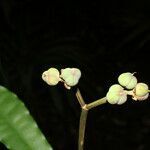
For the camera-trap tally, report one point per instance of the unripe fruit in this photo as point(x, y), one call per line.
point(51, 76)
point(116, 95)
point(70, 76)
point(141, 98)
point(141, 89)
point(115, 87)
point(128, 80)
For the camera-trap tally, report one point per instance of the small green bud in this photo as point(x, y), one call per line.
point(128, 80)
point(70, 76)
point(51, 76)
point(141, 89)
point(116, 95)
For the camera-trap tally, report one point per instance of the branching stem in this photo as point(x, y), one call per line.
point(83, 117)
point(80, 98)
point(96, 103)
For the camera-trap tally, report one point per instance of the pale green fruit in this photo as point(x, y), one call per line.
point(112, 97)
point(70, 76)
point(51, 76)
point(116, 95)
point(71, 81)
point(115, 87)
point(65, 73)
point(141, 89)
point(128, 80)
point(122, 99)
point(141, 98)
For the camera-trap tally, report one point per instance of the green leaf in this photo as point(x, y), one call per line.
point(18, 130)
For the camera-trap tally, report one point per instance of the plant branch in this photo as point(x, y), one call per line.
point(80, 98)
point(96, 103)
point(83, 117)
point(82, 127)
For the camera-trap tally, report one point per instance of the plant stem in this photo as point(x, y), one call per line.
point(82, 126)
point(96, 103)
point(80, 98)
point(83, 117)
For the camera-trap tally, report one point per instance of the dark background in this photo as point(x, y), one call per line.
point(103, 40)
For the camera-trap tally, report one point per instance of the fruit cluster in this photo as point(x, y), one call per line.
point(128, 85)
point(69, 76)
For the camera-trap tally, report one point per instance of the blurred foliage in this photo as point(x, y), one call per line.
point(103, 40)
point(18, 130)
